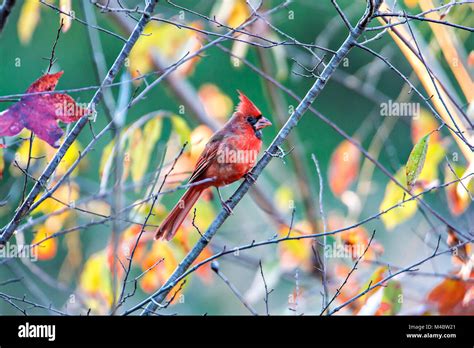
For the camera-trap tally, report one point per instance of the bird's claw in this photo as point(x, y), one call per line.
point(250, 178)
point(226, 206)
point(281, 154)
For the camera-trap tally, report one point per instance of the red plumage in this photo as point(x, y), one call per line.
point(230, 153)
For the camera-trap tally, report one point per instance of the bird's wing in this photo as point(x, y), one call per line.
point(207, 157)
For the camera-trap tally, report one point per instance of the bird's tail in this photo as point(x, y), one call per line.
point(176, 217)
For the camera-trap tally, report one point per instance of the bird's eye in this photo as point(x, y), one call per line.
point(251, 120)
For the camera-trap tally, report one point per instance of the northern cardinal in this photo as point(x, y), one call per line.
point(229, 155)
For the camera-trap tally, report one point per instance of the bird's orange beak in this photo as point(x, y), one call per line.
point(262, 123)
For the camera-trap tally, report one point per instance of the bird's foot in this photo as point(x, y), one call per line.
point(250, 178)
point(227, 207)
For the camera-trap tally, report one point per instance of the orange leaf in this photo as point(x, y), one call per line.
point(157, 271)
point(47, 249)
point(448, 295)
point(356, 240)
point(458, 198)
point(199, 137)
point(470, 59)
point(422, 125)
point(216, 103)
point(343, 167)
point(461, 253)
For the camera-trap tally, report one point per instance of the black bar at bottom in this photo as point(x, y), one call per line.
point(214, 330)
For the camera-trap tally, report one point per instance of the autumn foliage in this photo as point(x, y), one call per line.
point(391, 190)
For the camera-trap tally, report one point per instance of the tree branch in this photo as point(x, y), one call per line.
point(5, 11)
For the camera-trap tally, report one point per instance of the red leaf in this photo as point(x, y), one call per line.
point(45, 83)
point(40, 113)
point(343, 167)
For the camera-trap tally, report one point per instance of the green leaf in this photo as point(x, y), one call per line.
point(182, 128)
point(391, 299)
point(416, 161)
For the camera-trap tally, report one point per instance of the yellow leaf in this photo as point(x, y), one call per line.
point(393, 196)
point(181, 127)
point(434, 156)
point(139, 60)
point(98, 207)
point(136, 149)
point(231, 12)
point(43, 152)
point(168, 43)
point(71, 155)
point(379, 274)
point(284, 198)
point(295, 253)
point(152, 130)
point(95, 279)
point(239, 14)
point(38, 150)
point(67, 193)
point(29, 18)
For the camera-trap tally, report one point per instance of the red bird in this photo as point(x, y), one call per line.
point(229, 155)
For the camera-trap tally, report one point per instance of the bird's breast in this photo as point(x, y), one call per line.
point(235, 158)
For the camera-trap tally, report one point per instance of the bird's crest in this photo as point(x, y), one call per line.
point(246, 107)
